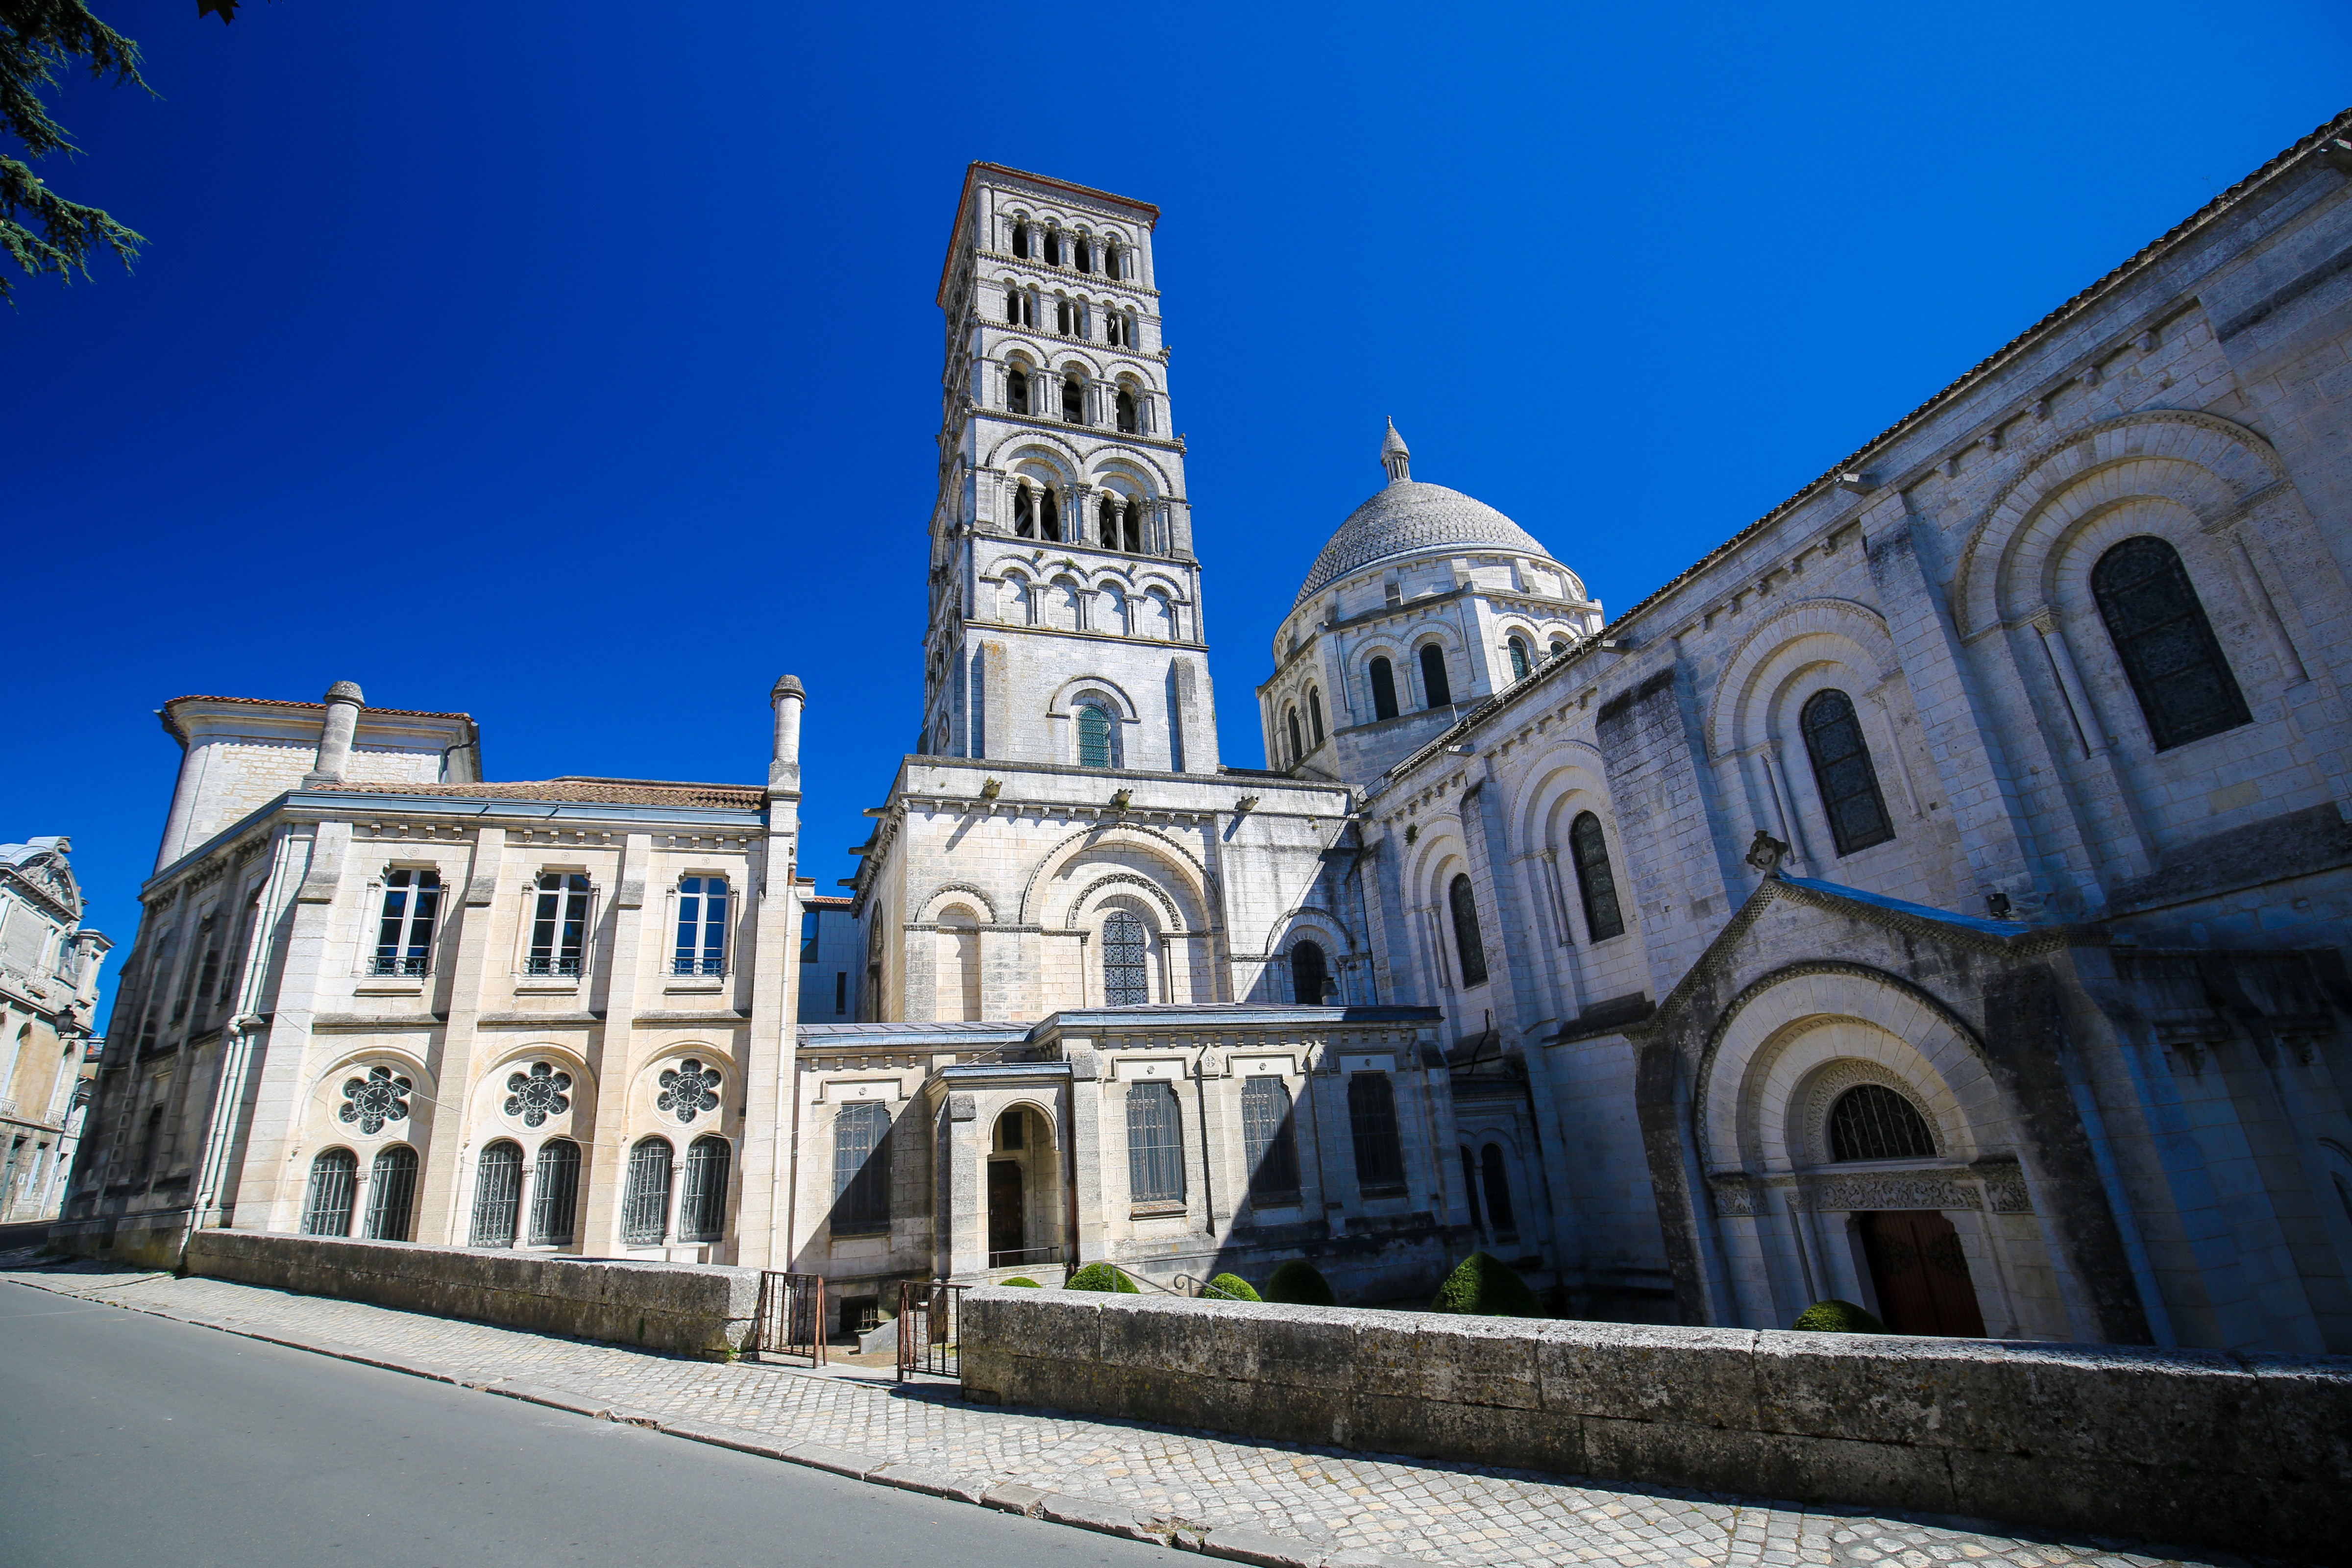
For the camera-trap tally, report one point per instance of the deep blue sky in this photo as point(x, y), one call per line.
point(576, 365)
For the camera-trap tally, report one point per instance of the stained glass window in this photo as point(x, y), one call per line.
point(1125, 981)
point(1841, 771)
point(2167, 646)
point(1596, 884)
point(1093, 736)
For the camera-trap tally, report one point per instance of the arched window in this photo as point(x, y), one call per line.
point(645, 1203)
point(1872, 1122)
point(1268, 1139)
point(1049, 515)
point(1082, 253)
point(1125, 983)
point(1841, 771)
point(1521, 662)
point(1065, 317)
point(1559, 646)
point(1131, 518)
point(701, 926)
point(554, 1193)
point(403, 939)
point(1155, 1144)
point(498, 1193)
point(1093, 736)
point(1021, 240)
point(333, 1176)
point(2184, 685)
point(1434, 685)
point(1016, 391)
point(702, 1209)
point(1498, 1190)
point(1074, 398)
point(1372, 1119)
point(1052, 248)
point(1314, 713)
point(1296, 751)
point(1383, 677)
point(861, 1168)
point(1012, 306)
point(1113, 260)
point(1470, 1187)
point(1309, 974)
point(1468, 944)
point(392, 1192)
point(1596, 884)
point(1126, 425)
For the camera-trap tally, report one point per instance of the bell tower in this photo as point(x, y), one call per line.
point(1065, 619)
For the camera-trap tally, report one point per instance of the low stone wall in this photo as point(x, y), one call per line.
point(692, 1309)
point(2249, 1452)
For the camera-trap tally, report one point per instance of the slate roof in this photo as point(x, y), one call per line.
point(1408, 515)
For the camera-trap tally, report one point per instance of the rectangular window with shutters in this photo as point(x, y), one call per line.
point(1273, 1147)
point(1155, 1144)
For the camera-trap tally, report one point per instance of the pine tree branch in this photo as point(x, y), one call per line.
point(68, 229)
point(38, 39)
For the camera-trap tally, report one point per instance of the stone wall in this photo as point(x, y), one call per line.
point(691, 1309)
point(2249, 1452)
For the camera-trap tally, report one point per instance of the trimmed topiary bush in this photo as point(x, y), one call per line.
point(1484, 1284)
point(1102, 1276)
point(1835, 1317)
point(1300, 1283)
point(1232, 1288)
point(1022, 1279)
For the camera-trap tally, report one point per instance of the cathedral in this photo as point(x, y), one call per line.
point(1934, 897)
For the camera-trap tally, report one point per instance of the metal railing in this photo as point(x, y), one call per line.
point(1020, 1257)
point(929, 1317)
point(540, 964)
point(791, 1316)
point(406, 965)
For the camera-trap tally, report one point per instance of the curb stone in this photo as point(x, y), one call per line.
point(1013, 1497)
point(929, 1482)
point(1110, 1518)
point(1256, 1547)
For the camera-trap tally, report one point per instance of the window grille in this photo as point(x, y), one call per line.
point(559, 926)
point(1872, 1122)
point(1434, 686)
point(1125, 981)
point(1314, 713)
point(2185, 688)
point(645, 1209)
point(1385, 702)
point(1309, 974)
point(498, 1193)
point(701, 926)
point(1596, 884)
point(554, 1193)
point(1843, 773)
point(1469, 945)
point(1267, 1136)
point(702, 1213)
point(1093, 736)
point(861, 1168)
point(391, 1193)
point(333, 1176)
point(1498, 1190)
point(1155, 1144)
point(1519, 661)
point(1372, 1119)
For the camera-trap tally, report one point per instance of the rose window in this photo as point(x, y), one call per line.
point(537, 1094)
point(688, 1089)
point(374, 1099)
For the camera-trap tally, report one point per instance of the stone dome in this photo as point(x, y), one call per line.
point(1410, 516)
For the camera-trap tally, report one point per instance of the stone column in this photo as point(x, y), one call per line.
point(343, 703)
point(784, 767)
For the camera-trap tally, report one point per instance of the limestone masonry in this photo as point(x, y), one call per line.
point(1934, 898)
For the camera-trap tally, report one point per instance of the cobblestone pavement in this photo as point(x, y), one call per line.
point(1328, 1504)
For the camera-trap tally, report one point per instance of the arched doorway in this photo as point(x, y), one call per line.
point(1023, 1190)
point(1920, 1274)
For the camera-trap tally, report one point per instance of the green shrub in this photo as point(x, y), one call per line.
point(1102, 1276)
point(1232, 1288)
point(1487, 1285)
point(1300, 1283)
point(1835, 1317)
point(1022, 1279)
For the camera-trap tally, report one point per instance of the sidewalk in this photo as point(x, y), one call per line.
point(1272, 1504)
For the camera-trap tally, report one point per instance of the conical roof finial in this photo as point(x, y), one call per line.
point(1395, 457)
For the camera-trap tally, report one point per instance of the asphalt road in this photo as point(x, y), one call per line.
point(126, 1439)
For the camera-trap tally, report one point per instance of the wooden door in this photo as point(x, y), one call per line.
point(1004, 1228)
point(1921, 1274)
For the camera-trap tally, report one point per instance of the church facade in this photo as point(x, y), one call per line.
point(1934, 897)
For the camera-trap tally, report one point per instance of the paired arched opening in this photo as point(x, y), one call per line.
point(702, 1217)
